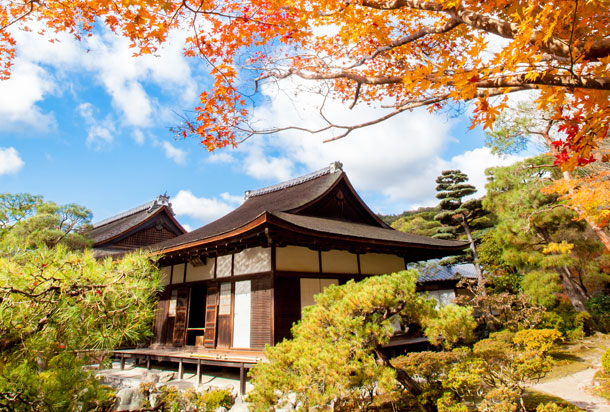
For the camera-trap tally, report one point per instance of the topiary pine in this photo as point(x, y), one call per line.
point(457, 216)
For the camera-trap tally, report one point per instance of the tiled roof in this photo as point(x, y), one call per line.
point(455, 272)
point(365, 231)
point(124, 221)
point(289, 197)
point(285, 200)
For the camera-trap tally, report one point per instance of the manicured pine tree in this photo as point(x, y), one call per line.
point(457, 215)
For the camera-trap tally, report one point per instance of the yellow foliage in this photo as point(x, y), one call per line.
point(563, 248)
point(589, 197)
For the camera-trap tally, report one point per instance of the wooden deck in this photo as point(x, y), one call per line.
point(196, 356)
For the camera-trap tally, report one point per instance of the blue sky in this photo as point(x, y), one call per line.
point(85, 122)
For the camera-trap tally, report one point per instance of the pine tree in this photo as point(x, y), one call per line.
point(458, 216)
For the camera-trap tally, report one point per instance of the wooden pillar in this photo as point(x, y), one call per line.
point(198, 371)
point(147, 361)
point(122, 361)
point(242, 380)
point(180, 369)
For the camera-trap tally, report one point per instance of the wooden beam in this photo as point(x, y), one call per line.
point(198, 371)
point(242, 379)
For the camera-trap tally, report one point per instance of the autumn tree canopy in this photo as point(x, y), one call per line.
point(395, 54)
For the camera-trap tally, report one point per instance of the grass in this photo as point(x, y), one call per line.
point(572, 357)
point(534, 398)
point(603, 385)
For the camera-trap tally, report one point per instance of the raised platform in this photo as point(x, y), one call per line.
point(197, 356)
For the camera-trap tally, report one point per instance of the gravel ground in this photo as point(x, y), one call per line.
point(572, 388)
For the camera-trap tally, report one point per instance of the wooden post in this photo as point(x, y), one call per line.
point(122, 361)
point(147, 361)
point(180, 369)
point(242, 380)
point(198, 371)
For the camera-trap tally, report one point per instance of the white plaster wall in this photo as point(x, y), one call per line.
point(252, 260)
point(339, 261)
point(224, 301)
point(296, 259)
point(241, 314)
point(311, 287)
point(223, 268)
point(443, 297)
point(380, 264)
point(203, 272)
point(166, 271)
point(178, 276)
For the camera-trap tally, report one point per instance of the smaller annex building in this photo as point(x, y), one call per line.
point(240, 282)
point(142, 226)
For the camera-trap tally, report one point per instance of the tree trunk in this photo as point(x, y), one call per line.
point(405, 379)
point(475, 256)
point(573, 290)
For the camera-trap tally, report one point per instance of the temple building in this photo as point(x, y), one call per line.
point(240, 282)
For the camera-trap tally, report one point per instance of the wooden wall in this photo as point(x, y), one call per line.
point(260, 321)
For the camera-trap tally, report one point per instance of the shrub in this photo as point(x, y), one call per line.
point(599, 306)
point(553, 407)
point(606, 361)
point(210, 401)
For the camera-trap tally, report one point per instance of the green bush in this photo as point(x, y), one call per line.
point(210, 401)
point(606, 361)
point(599, 306)
point(172, 399)
point(553, 407)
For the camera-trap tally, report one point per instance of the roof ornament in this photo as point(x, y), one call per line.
point(160, 201)
point(336, 167)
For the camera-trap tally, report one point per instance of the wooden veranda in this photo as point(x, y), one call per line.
point(198, 357)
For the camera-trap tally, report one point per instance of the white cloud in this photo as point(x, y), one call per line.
point(173, 153)
point(138, 137)
point(474, 162)
point(128, 80)
point(10, 161)
point(204, 209)
point(124, 76)
point(100, 134)
point(28, 85)
point(398, 159)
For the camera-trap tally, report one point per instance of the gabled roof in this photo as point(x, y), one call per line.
point(322, 204)
point(106, 230)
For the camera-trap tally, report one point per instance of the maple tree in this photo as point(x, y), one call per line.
point(586, 191)
point(397, 54)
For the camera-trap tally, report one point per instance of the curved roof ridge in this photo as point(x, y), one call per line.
point(333, 168)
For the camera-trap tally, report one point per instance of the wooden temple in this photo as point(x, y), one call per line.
point(240, 282)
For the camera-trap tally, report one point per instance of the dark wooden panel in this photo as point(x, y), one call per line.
point(224, 331)
point(180, 321)
point(209, 338)
point(168, 331)
point(225, 315)
point(260, 315)
point(287, 300)
point(160, 318)
point(146, 237)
